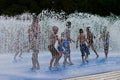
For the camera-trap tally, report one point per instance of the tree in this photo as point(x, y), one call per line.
point(101, 7)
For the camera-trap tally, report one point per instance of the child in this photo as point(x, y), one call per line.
point(66, 47)
point(34, 32)
point(18, 45)
point(66, 43)
point(90, 41)
point(52, 40)
point(83, 48)
point(105, 38)
point(60, 47)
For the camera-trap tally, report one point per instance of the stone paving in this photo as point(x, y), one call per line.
point(115, 75)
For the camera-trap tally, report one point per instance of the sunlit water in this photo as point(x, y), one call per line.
point(10, 26)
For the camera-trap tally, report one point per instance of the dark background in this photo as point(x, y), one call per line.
point(100, 7)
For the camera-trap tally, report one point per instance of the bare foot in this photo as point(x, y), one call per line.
point(97, 56)
point(20, 56)
point(33, 68)
point(50, 67)
point(38, 68)
point(70, 63)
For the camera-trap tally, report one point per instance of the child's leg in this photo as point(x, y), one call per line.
point(38, 65)
point(87, 53)
point(37, 62)
point(54, 56)
point(56, 53)
point(70, 62)
point(33, 60)
point(65, 60)
point(86, 58)
point(106, 50)
point(83, 59)
point(92, 46)
point(56, 60)
point(20, 55)
point(82, 49)
point(17, 52)
point(60, 55)
point(51, 61)
point(36, 59)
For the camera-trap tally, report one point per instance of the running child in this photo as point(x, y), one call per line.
point(83, 48)
point(90, 41)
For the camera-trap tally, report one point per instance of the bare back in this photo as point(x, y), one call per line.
point(105, 35)
point(90, 36)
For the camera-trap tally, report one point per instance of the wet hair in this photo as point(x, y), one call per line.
point(80, 30)
point(68, 23)
point(35, 18)
point(105, 28)
point(54, 28)
point(88, 28)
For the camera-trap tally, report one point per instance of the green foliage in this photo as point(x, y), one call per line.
point(101, 7)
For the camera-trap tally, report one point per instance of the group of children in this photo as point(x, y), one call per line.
point(62, 48)
point(85, 41)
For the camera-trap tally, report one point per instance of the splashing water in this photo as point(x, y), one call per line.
point(10, 26)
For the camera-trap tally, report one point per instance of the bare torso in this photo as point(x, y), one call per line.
point(67, 34)
point(52, 38)
point(81, 38)
point(90, 36)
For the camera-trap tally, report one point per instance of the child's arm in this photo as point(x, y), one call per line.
point(93, 36)
point(77, 42)
point(72, 40)
point(86, 40)
point(100, 37)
